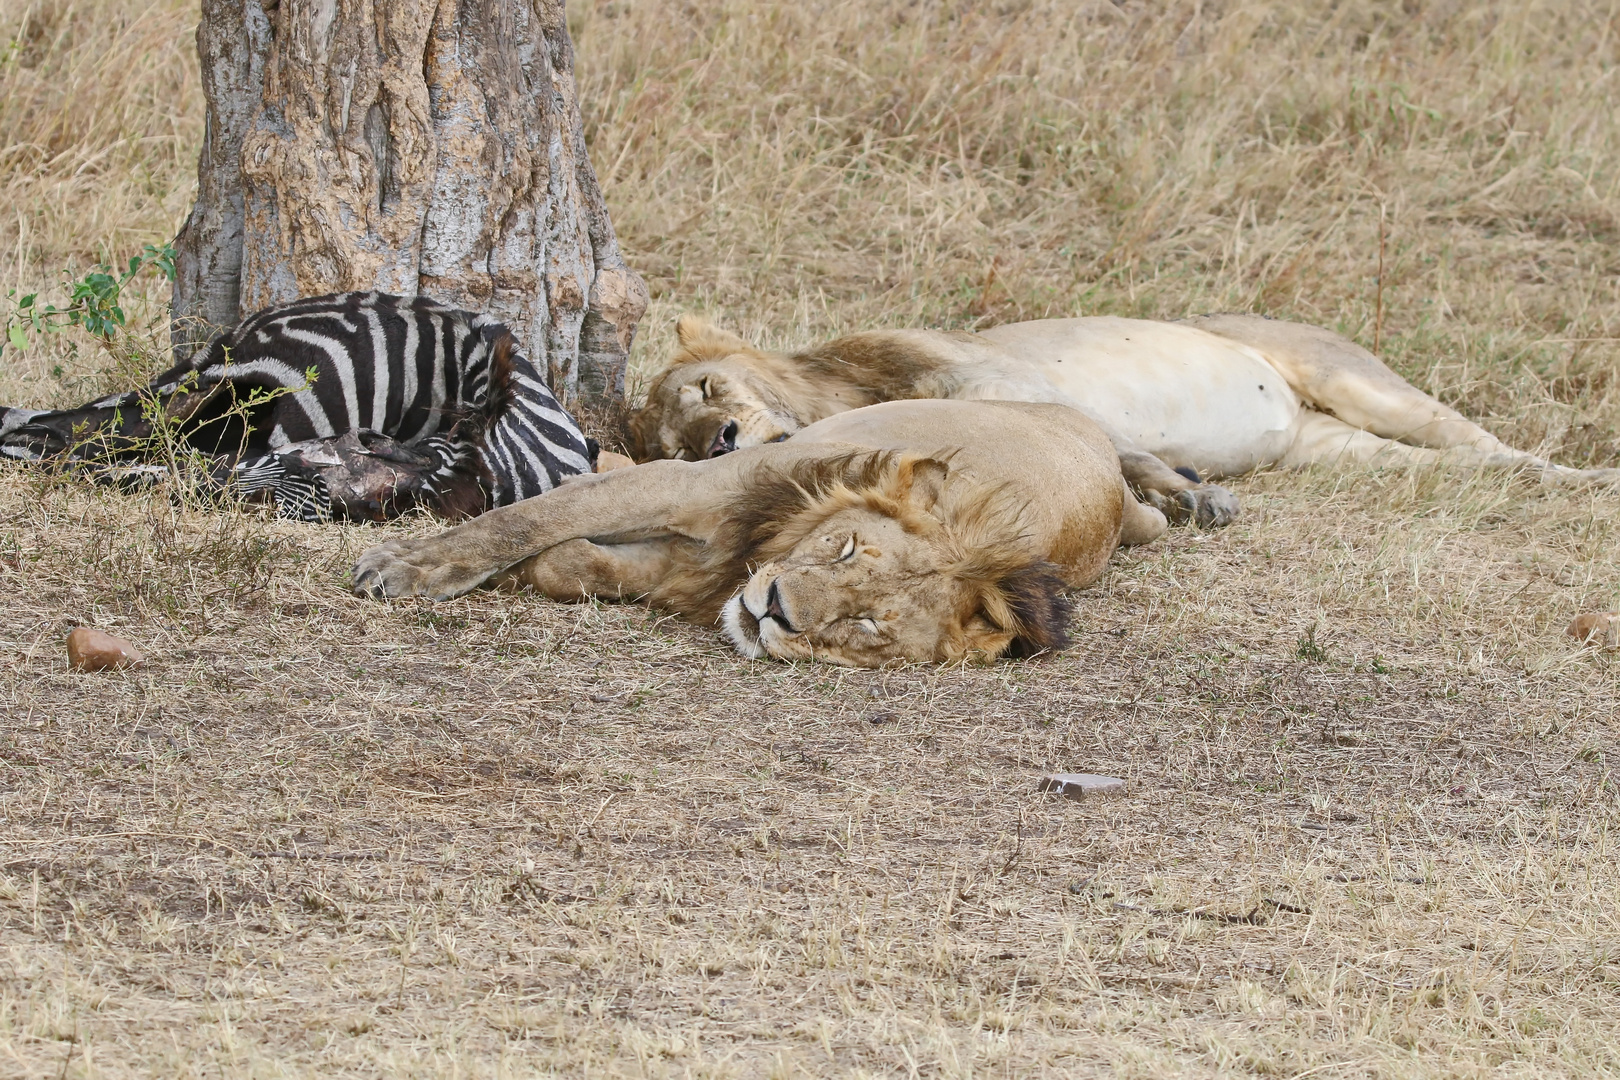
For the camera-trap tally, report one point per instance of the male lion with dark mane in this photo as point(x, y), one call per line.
point(913, 530)
point(1206, 397)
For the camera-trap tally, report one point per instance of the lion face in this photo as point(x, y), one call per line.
point(703, 410)
point(716, 396)
point(861, 592)
point(882, 579)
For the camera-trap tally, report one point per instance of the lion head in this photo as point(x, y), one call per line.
point(717, 394)
point(871, 557)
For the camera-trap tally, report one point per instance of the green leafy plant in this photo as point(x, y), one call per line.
point(171, 427)
point(94, 301)
point(1309, 650)
point(188, 467)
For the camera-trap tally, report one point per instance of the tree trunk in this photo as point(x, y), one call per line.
point(409, 146)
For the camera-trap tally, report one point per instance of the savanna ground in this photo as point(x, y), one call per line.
point(1369, 822)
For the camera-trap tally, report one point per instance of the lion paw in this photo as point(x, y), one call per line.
point(1209, 506)
point(412, 568)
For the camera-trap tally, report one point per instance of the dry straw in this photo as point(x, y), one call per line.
point(1371, 791)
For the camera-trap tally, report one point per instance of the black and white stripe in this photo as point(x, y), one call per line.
point(11, 419)
point(447, 397)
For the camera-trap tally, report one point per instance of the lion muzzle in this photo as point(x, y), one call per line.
point(774, 608)
point(742, 628)
point(725, 440)
point(757, 617)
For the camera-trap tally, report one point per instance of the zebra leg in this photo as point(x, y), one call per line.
point(113, 431)
point(12, 419)
point(297, 492)
point(41, 434)
point(367, 476)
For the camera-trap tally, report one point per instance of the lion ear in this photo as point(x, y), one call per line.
point(982, 641)
point(921, 482)
point(703, 340)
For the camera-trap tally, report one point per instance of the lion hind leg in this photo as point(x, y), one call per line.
point(1323, 439)
point(1320, 439)
point(1336, 376)
point(1139, 522)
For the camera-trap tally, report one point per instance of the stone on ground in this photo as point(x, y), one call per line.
point(1082, 785)
point(1599, 628)
point(93, 650)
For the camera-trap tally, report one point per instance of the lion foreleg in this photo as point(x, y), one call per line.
point(655, 499)
point(581, 569)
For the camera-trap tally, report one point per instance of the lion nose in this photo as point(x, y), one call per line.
point(773, 607)
point(725, 440)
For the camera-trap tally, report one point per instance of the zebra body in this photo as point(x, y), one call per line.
point(411, 403)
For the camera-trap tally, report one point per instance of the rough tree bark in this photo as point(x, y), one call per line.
point(410, 146)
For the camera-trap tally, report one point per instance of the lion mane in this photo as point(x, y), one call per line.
point(977, 527)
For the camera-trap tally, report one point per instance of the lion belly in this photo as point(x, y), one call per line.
point(1186, 396)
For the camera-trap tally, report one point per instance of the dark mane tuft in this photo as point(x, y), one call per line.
point(1043, 609)
point(886, 365)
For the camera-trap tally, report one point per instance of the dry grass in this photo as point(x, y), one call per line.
point(100, 121)
point(805, 168)
point(1369, 825)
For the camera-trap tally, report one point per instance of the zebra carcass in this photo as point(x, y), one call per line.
point(354, 405)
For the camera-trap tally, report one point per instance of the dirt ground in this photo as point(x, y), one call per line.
point(324, 836)
point(1371, 790)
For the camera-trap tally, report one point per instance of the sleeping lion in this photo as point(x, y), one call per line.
point(912, 530)
point(1211, 396)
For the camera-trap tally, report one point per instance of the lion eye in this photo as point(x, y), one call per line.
point(849, 549)
point(707, 387)
point(869, 625)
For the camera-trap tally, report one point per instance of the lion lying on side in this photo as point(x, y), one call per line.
point(1216, 395)
point(915, 530)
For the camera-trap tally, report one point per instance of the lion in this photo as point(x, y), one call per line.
point(1184, 402)
point(911, 530)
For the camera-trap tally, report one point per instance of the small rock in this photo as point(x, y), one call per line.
point(92, 650)
point(1082, 785)
point(1599, 628)
point(607, 461)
